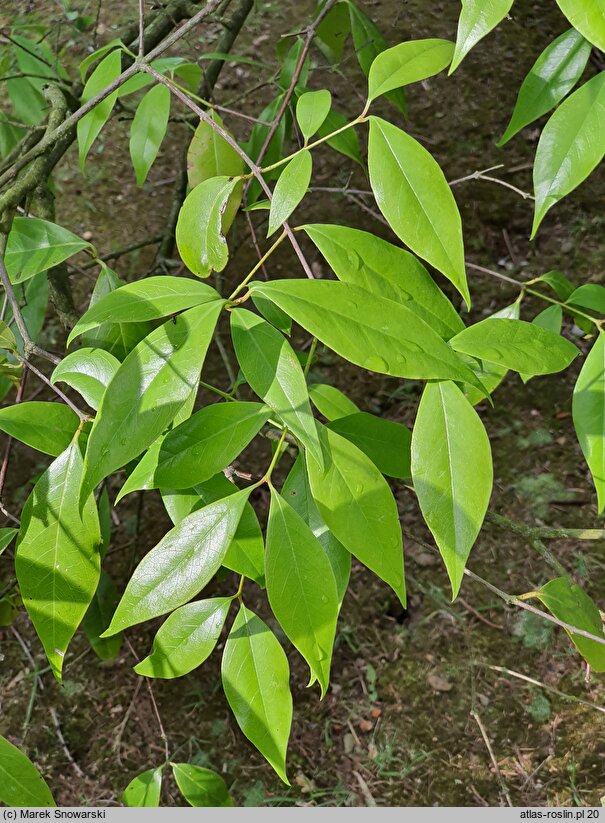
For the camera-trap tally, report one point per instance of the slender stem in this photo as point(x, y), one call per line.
point(310, 357)
point(259, 265)
point(360, 119)
point(141, 28)
point(267, 476)
point(57, 391)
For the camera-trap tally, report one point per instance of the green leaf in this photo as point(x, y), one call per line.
point(148, 130)
point(210, 440)
point(412, 193)
point(290, 189)
point(255, 675)
point(346, 142)
point(246, 552)
point(385, 442)
point(98, 618)
point(488, 373)
point(90, 125)
point(516, 345)
point(588, 410)
point(35, 245)
point(89, 372)
point(358, 507)
point(567, 602)
point(148, 390)
point(142, 477)
point(571, 145)
point(550, 318)
point(96, 55)
point(57, 560)
point(273, 314)
point(311, 110)
point(210, 155)
point(365, 260)
point(273, 371)
point(47, 427)
point(148, 299)
point(201, 787)
point(588, 17)
point(201, 226)
point(186, 639)
point(333, 31)
point(589, 296)
point(561, 285)
point(370, 331)
point(297, 492)
point(182, 563)
point(408, 63)
point(301, 588)
point(6, 537)
point(8, 341)
point(330, 401)
point(551, 78)
point(21, 784)
point(452, 473)
point(145, 789)
point(477, 18)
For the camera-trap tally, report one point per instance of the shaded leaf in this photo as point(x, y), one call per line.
point(35, 245)
point(201, 787)
point(588, 409)
point(148, 129)
point(47, 427)
point(385, 442)
point(90, 125)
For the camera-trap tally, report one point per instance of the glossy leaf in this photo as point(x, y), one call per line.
point(477, 18)
point(88, 371)
point(35, 245)
point(330, 401)
point(385, 442)
point(589, 296)
point(186, 639)
point(274, 373)
point(201, 787)
point(301, 588)
point(452, 473)
point(359, 509)
point(516, 345)
point(147, 391)
point(567, 602)
point(6, 538)
point(182, 563)
point(290, 189)
point(148, 299)
point(311, 110)
point(145, 789)
point(415, 198)
point(588, 410)
point(148, 130)
point(200, 229)
point(408, 63)
point(142, 477)
point(210, 440)
point(21, 784)
point(255, 675)
point(488, 373)
point(47, 427)
point(370, 331)
point(588, 17)
point(57, 558)
point(90, 125)
point(571, 145)
point(551, 78)
point(210, 155)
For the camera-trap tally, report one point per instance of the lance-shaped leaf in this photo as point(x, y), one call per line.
point(186, 639)
point(553, 75)
point(148, 128)
point(589, 415)
point(301, 588)
point(311, 110)
point(569, 603)
point(359, 509)
point(47, 427)
point(452, 473)
point(412, 193)
point(330, 401)
point(89, 372)
point(385, 442)
point(91, 124)
point(273, 371)
point(588, 17)
point(256, 675)
point(210, 155)
point(290, 189)
point(145, 789)
point(490, 374)
point(571, 145)
point(57, 560)
point(516, 345)
point(297, 492)
point(408, 63)
point(365, 260)
point(370, 331)
point(589, 296)
point(201, 228)
point(142, 477)
point(34, 245)
point(477, 18)
point(201, 787)
point(21, 783)
point(207, 442)
point(148, 299)
point(345, 142)
point(181, 564)
point(147, 391)
point(246, 552)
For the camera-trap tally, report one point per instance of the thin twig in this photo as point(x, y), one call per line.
point(61, 739)
point(154, 704)
point(490, 751)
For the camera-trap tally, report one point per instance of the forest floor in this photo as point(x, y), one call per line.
point(428, 706)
